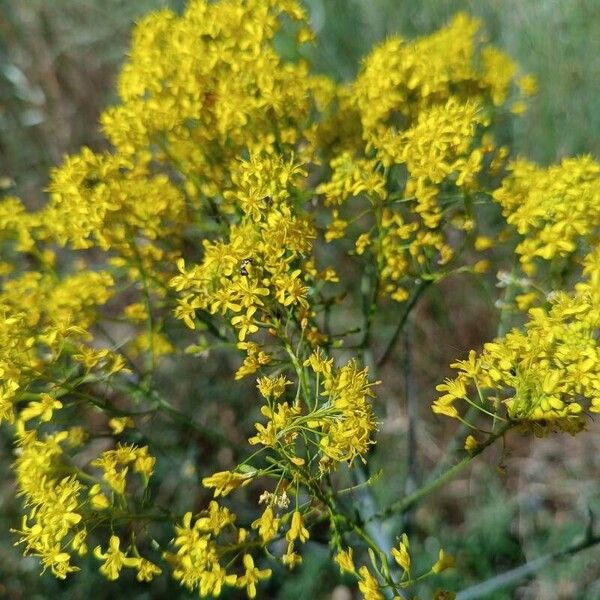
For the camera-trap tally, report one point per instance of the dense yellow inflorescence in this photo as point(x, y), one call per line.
point(423, 109)
point(545, 376)
point(228, 167)
point(555, 209)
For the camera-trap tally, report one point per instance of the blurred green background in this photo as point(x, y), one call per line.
point(58, 63)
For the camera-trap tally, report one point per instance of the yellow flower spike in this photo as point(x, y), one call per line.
point(533, 201)
point(351, 177)
point(55, 512)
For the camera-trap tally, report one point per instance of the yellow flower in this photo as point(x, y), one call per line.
point(118, 424)
point(362, 243)
point(218, 518)
point(147, 570)
point(245, 323)
point(318, 363)
point(297, 529)
point(470, 443)
point(337, 228)
point(225, 482)
point(114, 559)
point(251, 576)
point(555, 209)
point(348, 430)
point(213, 580)
point(401, 555)
point(444, 561)
point(267, 525)
point(97, 498)
point(483, 242)
point(291, 559)
point(43, 409)
point(369, 586)
point(528, 85)
point(273, 386)
point(345, 561)
point(144, 463)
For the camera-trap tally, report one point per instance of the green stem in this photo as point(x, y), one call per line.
point(412, 499)
point(300, 374)
point(513, 576)
point(421, 287)
point(502, 329)
point(151, 367)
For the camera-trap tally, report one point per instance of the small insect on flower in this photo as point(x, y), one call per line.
point(268, 202)
point(244, 266)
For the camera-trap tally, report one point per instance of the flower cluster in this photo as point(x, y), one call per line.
point(545, 376)
point(371, 587)
point(55, 524)
point(201, 228)
point(425, 142)
point(255, 274)
point(556, 209)
point(341, 417)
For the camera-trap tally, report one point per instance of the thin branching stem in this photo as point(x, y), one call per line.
point(410, 500)
point(513, 576)
point(412, 301)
